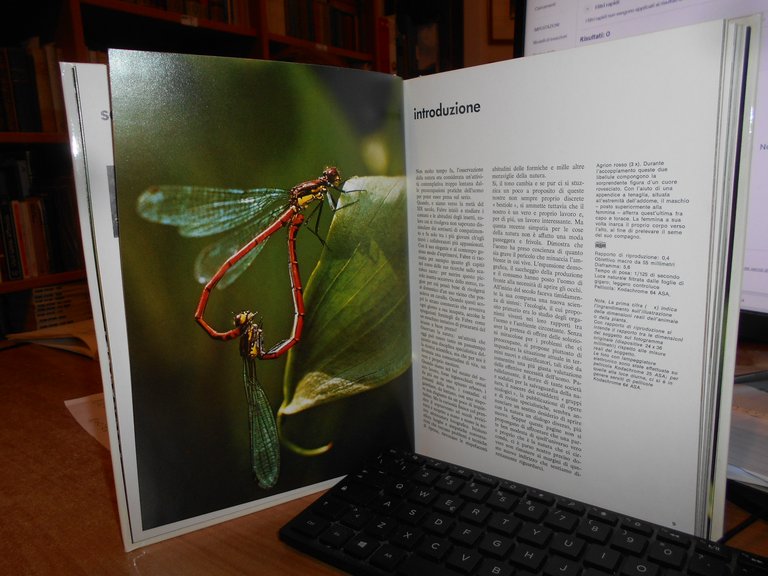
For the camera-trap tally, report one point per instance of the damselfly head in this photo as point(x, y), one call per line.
point(244, 318)
point(251, 335)
point(331, 176)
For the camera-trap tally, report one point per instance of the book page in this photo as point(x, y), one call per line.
point(562, 210)
point(215, 343)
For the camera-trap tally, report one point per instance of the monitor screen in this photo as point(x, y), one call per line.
point(557, 24)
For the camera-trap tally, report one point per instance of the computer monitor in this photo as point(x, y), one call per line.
point(558, 24)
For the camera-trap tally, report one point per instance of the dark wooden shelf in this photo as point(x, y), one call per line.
point(10, 286)
point(33, 138)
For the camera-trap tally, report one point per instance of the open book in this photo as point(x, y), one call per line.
point(550, 301)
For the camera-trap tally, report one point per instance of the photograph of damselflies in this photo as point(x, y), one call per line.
point(264, 255)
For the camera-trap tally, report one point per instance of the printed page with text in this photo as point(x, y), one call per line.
point(566, 229)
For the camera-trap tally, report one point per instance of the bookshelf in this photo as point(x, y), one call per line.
point(334, 32)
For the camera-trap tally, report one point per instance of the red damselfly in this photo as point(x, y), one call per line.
point(256, 214)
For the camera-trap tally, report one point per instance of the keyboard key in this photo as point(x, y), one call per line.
point(603, 515)
point(448, 504)
point(674, 537)
point(638, 526)
point(449, 483)
point(387, 557)
point(543, 497)
point(423, 495)
point(477, 514)
point(380, 527)
point(357, 518)
point(602, 558)
point(636, 567)
point(594, 531)
point(475, 491)
point(336, 536)
point(463, 559)
point(713, 549)
point(571, 505)
point(437, 523)
point(460, 472)
point(489, 481)
point(361, 546)
point(410, 513)
point(501, 500)
point(494, 568)
point(397, 487)
point(436, 464)
point(426, 476)
point(495, 545)
point(512, 488)
point(562, 521)
point(626, 541)
point(528, 557)
point(504, 523)
point(567, 545)
point(406, 537)
point(466, 534)
point(530, 510)
point(557, 566)
point(667, 554)
point(434, 547)
point(706, 565)
point(534, 534)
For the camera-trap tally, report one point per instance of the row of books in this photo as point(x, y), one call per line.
point(330, 22)
point(30, 88)
point(37, 222)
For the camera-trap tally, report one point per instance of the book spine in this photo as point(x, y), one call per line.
point(54, 78)
point(8, 111)
point(24, 89)
point(276, 17)
point(38, 224)
point(19, 233)
point(8, 229)
point(42, 84)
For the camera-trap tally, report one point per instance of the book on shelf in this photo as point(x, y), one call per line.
point(38, 218)
point(31, 225)
point(12, 269)
point(23, 93)
point(44, 89)
point(528, 272)
point(52, 59)
point(31, 99)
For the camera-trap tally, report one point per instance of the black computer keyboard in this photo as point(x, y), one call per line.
point(408, 514)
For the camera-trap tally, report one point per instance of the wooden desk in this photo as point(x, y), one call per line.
point(58, 512)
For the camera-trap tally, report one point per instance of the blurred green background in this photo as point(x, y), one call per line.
point(219, 122)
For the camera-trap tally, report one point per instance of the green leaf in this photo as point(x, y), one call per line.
point(357, 327)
